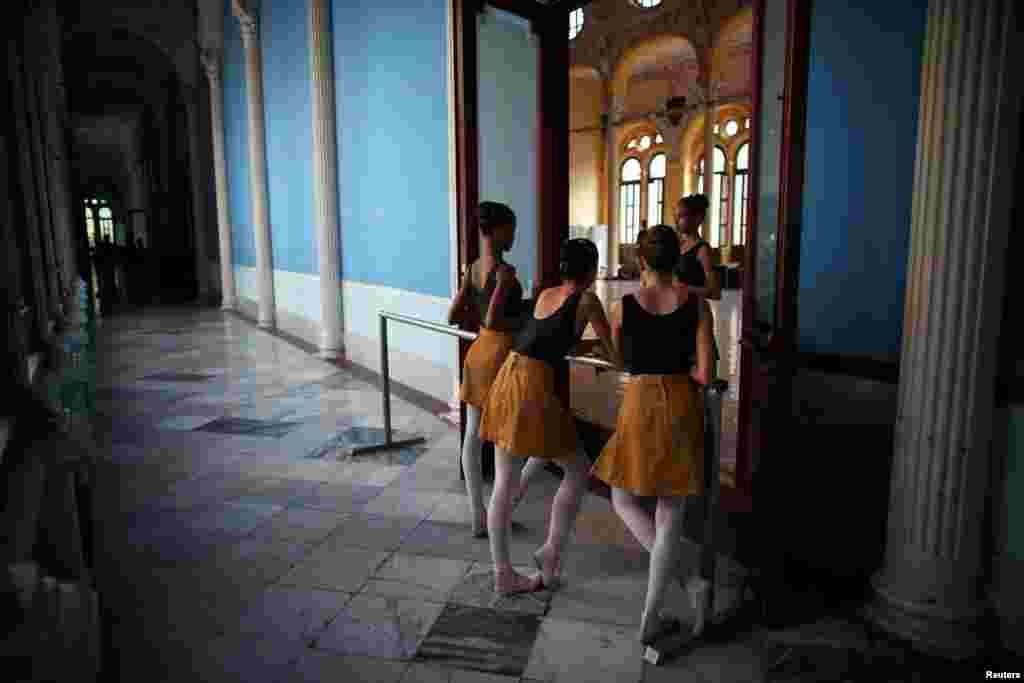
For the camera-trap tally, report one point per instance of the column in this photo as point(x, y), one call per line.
point(139, 197)
point(247, 18)
point(213, 65)
point(56, 151)
point(191, 95)
point(930, 588)
point(615, 111)
point(325, 177)
point(709, 165)
point(34, 227)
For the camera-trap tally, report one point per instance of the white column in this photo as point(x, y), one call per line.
point(213, 65)
point(191, 95)
point(930, 589)
point(325, 177)
point(247, 18)
point(139, 200)
point(56, 151)
point(615, 111)
point(709, 164)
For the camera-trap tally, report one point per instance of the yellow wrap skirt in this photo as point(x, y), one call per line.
point(524, 414)
point(483, 361)
point(658, 445)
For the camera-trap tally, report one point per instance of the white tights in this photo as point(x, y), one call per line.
point(564, 507)
point(471, 467)
point(660, 536)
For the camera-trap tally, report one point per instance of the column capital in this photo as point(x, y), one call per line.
point(247, 12)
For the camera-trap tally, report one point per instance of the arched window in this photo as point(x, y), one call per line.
point(90, 226)
point(656, 190)
point(647, 4)
point(106, 222)
point(739, 207)
point(629, 199)
point(716, 226)
point(575, 22)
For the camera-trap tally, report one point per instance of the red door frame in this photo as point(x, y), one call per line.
point(552, 142)
point(756, 386)
point(766, 370)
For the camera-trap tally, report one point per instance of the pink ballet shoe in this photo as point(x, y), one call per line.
point(514, 583)
point(551, 581)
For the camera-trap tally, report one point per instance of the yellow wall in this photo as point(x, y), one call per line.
point(586, 96)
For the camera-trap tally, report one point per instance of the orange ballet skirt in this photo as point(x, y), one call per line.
point(658, 445)
point(483, 361)
point(524, 415)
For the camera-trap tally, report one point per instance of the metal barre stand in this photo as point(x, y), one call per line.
point(389, 442)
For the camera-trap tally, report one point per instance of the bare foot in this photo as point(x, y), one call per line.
point(511, 582)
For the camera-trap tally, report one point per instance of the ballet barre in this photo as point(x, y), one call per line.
point(385, 316)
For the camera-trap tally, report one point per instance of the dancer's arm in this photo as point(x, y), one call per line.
point(593, 313)
point(701, 372)
point(506, 279)
point(457, 311)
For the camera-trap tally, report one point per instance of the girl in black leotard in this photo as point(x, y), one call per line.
point(694, 266)
point(657, 449)
point(525, 417)
point(491, 293)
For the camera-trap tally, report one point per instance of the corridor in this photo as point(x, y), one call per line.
point(237, 539)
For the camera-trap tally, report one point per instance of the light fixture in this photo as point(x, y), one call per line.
point(675, 109)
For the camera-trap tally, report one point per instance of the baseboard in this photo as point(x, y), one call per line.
point(420, 399)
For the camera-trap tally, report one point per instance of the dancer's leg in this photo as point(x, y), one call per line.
point(506, 580)
point(531, 469)
point(471, 447)
point(639, 522)
point(564, 509)
point(664, 559)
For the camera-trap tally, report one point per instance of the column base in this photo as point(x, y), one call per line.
point(931, 629)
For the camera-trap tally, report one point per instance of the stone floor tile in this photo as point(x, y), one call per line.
point(374, 626)
point(420, 672)
point(339, 569)
point(246, 659)
point(290, 613)
point(401, 503)
point(568, 651)
point(456, 541)
point(417, 577)
point(372, 531)
point(738, 661)
point(432, 477)
point(453, 508)
point(303, 525)
point(344, 497)
point(316, 666)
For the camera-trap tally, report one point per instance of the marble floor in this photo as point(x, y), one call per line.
point(238, 538)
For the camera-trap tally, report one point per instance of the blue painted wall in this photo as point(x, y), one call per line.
point(862, 109)
point(236, 143)
point(390, 61)
point(289, 110)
